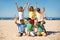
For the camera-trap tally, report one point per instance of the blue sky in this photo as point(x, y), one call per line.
point(8, 7)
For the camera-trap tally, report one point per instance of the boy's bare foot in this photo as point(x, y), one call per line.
point(44, 34)
point(24, 34)
point(28, 33)
point(18, 35)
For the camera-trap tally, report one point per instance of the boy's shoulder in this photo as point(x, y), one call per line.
point(21, 24)
point(18, 24)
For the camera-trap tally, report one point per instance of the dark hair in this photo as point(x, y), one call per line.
point(21, 7)
point(22, 21)
point(29, 19)
point(38, 9)
point(31, 8)
point(39, 22)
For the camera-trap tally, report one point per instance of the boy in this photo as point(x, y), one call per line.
point(21, 11)
point(29, 27)
point(39, 14)
point(21, 27)
point(41, 30)
point(31, 13)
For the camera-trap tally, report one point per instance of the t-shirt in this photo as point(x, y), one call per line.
point(32, 14)
point(29, 27)
point(21, 16)
point(40, 28)
point(39, 16)
point(21, 28)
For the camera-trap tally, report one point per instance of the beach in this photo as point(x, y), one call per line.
point(9, 30)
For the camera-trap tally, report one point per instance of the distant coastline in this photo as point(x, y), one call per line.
point(11, 18)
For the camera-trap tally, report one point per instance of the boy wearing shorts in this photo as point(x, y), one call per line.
point(41, 30)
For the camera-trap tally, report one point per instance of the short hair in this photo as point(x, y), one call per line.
point(38, 9)
point(22, 21)
point(21, 7)
point(31, 7)
point(29, 19)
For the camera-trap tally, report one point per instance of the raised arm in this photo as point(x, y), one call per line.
point(43, 10)
point(28, 4)
point(36, 6)
point(16, 6)
point(25, 6)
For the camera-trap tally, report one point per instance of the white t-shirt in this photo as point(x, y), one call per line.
point(39, 17)
point(20, 15)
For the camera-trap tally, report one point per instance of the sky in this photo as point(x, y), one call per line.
point(8, 7)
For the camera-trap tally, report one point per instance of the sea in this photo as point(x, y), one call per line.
point(11, 18)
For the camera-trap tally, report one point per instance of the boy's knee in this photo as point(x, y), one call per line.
point(28, 33)
point(38, 33)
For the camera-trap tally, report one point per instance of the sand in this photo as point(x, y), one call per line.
point(9, 30)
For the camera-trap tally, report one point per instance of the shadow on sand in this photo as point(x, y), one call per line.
point(52, 32)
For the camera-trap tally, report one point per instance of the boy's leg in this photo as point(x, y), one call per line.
point(24, 34)
point(26, 30)
point(28, 33)
point(32, 33)
point(43, 33)
point(18, 34)
point(38, 34)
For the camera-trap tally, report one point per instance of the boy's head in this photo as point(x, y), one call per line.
point(21, 8)
point(43, 22)
point(31, 8)
point(22, 21)
point(38, 9)
point(29, 19)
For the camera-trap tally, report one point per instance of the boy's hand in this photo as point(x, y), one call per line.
point(44, 8)
point(36, 3)
point(15, 3)
point(28, 3)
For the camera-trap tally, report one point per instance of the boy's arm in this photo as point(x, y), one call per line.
point(16, 21)
point(16, 6)
point(28, 4)
point(43, 10)
point(36, 5)
point(25, 6)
